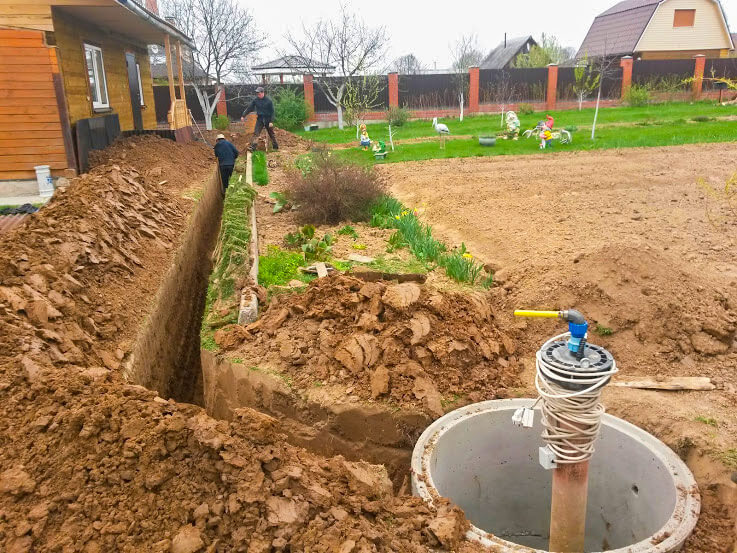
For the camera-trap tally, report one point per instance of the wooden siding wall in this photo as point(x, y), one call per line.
point(70, 37)
point(708, 32)
point(30, 125)
point(681, 54)
point(26, 15)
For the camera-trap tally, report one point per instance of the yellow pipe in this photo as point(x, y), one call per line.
point(539, 314)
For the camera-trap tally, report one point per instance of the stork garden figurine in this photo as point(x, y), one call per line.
point(442, 130)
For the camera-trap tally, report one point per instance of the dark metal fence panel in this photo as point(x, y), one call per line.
point(664, 76)
point(323, 105)
point(431, 91)
point(513, 85)
point(566, 83)
point(719, 68)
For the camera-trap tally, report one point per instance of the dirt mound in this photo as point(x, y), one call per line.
point(664, 317)
point(158, 158)
point(242, 140)
point(402, 342)
point(90, 463)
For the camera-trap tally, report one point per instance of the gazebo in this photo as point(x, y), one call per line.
point(293, 66)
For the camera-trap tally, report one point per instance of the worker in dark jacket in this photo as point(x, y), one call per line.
point(264, 108)
point(226, 154)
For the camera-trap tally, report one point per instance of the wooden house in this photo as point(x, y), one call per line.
point(69, 68)
point(660, 29)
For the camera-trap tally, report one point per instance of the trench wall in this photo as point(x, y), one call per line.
point(166, 356)
point(315, 419)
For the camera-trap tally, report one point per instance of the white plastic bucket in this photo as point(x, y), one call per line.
point(45, 183)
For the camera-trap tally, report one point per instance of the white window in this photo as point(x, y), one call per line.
point(96, 74)
point(140, 84)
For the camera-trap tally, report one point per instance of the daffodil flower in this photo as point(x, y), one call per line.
point(467, 255)
point(397, 217)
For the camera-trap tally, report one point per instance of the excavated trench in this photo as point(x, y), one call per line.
point(166, 356)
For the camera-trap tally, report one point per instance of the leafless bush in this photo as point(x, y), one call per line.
point(332, 190)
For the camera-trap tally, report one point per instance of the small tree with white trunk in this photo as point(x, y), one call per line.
point(466, 54)
point(346, 43)
point(226, 38)
point(586, 80)
point(362, 95)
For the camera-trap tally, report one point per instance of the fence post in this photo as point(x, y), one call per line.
point(222, 105)
point(393, 90)
point(552, 86)
point(626, 65)
point(698, 74)
point(309, 90)
point(473, 90)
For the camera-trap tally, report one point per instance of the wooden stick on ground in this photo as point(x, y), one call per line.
point(675, 383)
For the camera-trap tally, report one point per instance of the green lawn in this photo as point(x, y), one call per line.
point(668, 134)
point(490, 124)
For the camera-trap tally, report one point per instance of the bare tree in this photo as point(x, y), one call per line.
point(604, 67)
point(226, 38)
point(407, 65)
point(586, 80)
point(347, 43)
point(361, 96)
point(466, 53)
point(504, 93)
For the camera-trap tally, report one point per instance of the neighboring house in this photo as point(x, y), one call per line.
point(659, 29)
point(733, 51)
point(69, 66)
point(295, 67)
point(504, 55)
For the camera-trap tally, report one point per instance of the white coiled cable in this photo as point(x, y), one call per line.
point(571, 420)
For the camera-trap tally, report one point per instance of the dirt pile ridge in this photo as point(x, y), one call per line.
point(89, 463)
point(666, 318)
point(403, 342)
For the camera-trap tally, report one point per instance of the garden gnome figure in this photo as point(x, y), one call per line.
point(513, 126)
point(264, 108)
point(546, 138)
point(226, 154)
point(365, 140)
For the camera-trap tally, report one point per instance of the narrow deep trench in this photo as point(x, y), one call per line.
point(166, 356)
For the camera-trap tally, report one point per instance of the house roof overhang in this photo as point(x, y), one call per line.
point(128, 19)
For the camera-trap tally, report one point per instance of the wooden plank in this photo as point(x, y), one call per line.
point(322, 270)
point(30, 126)
point(26, 77)
point(15, 66)
point(19, 175)
point(21, 42)
point(29, 85)
point(35, 22)
point(15, 102)
point(20, 121)
point(13, 52)
point(17, 134)
point(27, 110)
point(26, 9)
point(29, 165)
point(33, 59)
point(675, 383)
point(27, 94)
point(13, 33)
point(35, 150)
point(22, 142)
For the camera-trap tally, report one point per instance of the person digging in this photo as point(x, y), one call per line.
point(264, 108)
point(226, 154)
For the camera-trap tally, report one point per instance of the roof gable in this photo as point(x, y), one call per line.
point(617, 30)
point(502, 55)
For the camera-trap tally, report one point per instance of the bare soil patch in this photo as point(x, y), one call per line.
point(629, 238)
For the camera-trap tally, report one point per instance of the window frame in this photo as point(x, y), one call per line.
point(692, 18)
point(97, 73)
point(140, 85)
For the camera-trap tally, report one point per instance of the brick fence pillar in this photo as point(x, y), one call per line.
point(222, 102)
point(393, 90)
point(626, 65)
point(698, 74)
point(552, 86)
point(309, 89)
point(473, 89)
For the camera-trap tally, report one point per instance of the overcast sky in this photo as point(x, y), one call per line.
point(427, 28)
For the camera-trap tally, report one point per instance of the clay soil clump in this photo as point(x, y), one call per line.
point(403, 342)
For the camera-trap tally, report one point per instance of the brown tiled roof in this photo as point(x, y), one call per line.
point(617, 30)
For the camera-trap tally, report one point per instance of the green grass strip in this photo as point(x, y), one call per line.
point(412, 233)
point(231, 264)
point(482, 125)
point(260, 173)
